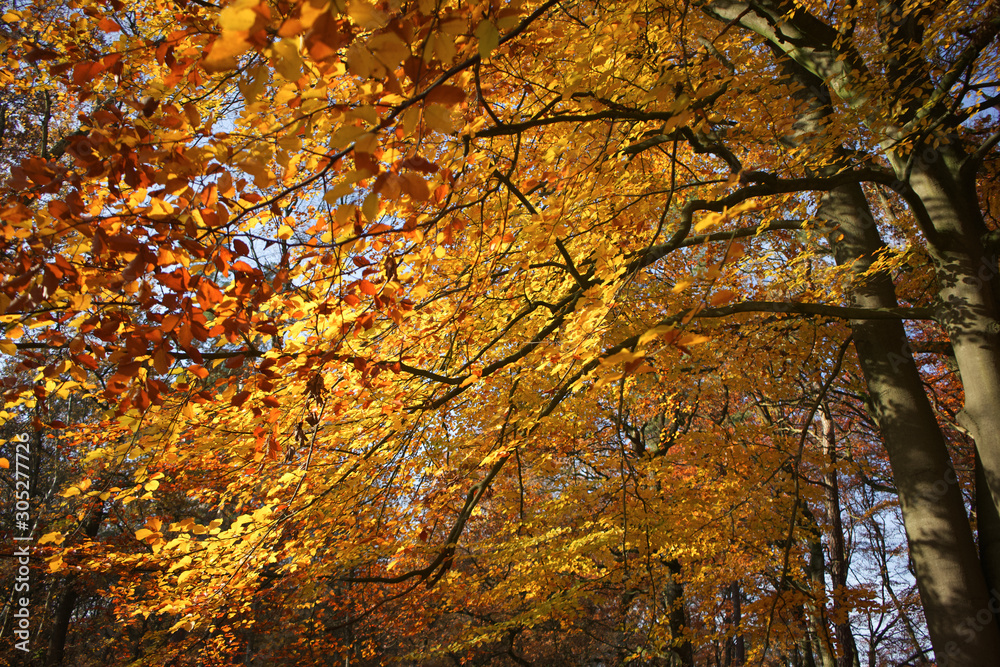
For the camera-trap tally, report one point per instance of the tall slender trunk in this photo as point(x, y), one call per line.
point(64, 612)
point(673, 598)
point(848, 655)
point(738, 643)
point(816, 609)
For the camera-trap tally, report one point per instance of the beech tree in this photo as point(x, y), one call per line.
point(538, 332)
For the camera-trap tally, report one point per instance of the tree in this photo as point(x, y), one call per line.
point(445, 320)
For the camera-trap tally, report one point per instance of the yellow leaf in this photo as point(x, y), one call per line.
point(143, 533)
point(152, 486)
point(692, 339)
point(70, 492)
point(222, 57)
point(444, 48)
point(54, 537)
point(366, 143)
point(710, 220)
point(337, 191)
point(681, 285)
point(389, 49)
point(310, 11)
point(608, 379)
point(489, 38)
point(183, 624)
point(456, 27)
point(438, 118)
point(239, 16)
point(654, 333)
point(623, 356)
point(288, 62)
point(370, 207)
point(365, 14)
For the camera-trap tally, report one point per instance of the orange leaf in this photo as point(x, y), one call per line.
point(416, 187)
point(722, 296)
point(107, 25)
point(208, 294)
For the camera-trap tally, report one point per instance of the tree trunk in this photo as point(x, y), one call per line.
point(673, 598)
point(848, 650)
point(951, 583)
point(988, 529)
point(64, 612)
point(738, 645)
point(937, 175)
point(818, 622)
point(967, 274)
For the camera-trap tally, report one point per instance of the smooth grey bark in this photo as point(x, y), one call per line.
point(946, 206)
point(988, 531)
point(941, 178)
point(816, 609)
point(942, 548)
point(949, 577)
point(937, 179)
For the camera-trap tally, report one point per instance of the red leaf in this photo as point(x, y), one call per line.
point(418, 163)
point(235, 362)
point(87, 360)
point(85, 72)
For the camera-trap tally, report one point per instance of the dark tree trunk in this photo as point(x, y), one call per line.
point(64, 611)
point(848, 650)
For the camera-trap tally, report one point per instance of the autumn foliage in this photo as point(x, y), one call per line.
point(503, 333)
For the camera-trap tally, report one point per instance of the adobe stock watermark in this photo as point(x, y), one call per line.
point(970, 627)
point(21, 599)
